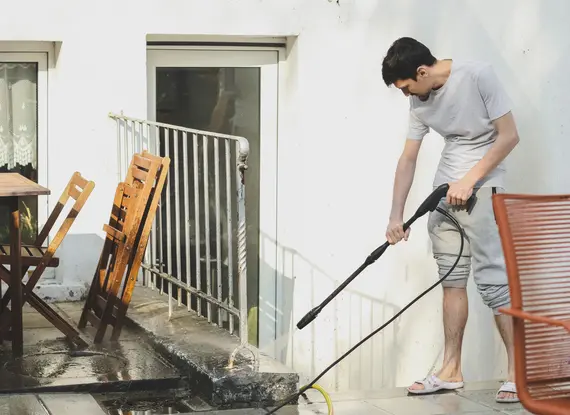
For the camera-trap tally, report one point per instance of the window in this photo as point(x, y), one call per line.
point(23, 135)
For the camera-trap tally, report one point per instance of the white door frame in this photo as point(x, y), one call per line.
point(42, 132)
point(268, 60)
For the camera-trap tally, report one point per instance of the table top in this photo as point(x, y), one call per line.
point(14, 184)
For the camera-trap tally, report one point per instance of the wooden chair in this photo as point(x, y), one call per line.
point(42, 257)
point(127, 234)
point(535, 234)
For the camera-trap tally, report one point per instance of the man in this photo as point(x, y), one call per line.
point(466, 104)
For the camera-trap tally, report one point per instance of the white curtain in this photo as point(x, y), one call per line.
point(18, 115)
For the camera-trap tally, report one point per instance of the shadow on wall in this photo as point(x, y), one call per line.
point(351, 316)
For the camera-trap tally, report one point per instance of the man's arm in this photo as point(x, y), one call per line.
point(402, 183)
point(498, 107)
point(507, 139)
point(403, 178)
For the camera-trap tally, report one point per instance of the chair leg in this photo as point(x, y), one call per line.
point(107, 318)
point(59, 322)
point(44, 309)
point(119, 321)
point(90, 303)
point(98, 283)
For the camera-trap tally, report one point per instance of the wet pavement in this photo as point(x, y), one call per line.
point(476, 399)
point(51, 364)
point(203, 349)
point(130, 377)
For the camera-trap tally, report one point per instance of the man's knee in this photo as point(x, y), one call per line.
point(495, 296)
point(459, 275)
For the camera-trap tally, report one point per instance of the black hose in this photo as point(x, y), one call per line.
point(357, 345)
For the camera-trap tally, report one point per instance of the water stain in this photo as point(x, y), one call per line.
point(66, 364)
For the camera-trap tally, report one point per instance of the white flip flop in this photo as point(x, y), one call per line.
point(507, 387)
point(433, 384)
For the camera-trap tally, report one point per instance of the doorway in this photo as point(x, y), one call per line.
point(231, 91)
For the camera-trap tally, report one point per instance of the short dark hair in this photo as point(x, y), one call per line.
point(403, 59)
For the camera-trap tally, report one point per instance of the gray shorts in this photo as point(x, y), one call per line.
point(482, 250)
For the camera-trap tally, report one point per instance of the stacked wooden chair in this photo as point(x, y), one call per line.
point(127, 234)
point(41, 257)
point(535, 234)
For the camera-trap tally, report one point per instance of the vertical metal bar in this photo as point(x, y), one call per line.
point(229, 215)
point(197, 222)
point(242, 248)
point(218, 226)
point(140, 140)
point(126, 153)
point(142, 271)
point(154, 257)
point(168, 224)
point(177, 213)
point(186, 215)
point(160, 225)
point(152, 251)
point(207, 226)
point(133, 138)
point(119, 151)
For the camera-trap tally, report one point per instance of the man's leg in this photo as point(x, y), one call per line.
point(455, 312)
point(505, 326)
point(489, 272)
point(446, 242)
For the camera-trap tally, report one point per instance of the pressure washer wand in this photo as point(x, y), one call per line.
point(428, 205)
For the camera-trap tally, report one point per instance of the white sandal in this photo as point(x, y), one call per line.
point(433, 384)
point(507, 387)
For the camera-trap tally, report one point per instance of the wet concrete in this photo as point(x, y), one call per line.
point(51, 364)
point(475, 399)
point(203, 351)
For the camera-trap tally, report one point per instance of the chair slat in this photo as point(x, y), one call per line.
point(140, 174)
point(74, 193)
point(79, 181)
point(142, 161)
point(114, 233)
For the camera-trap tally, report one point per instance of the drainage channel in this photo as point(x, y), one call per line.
point(156, 403)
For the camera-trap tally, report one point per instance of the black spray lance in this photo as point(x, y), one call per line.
point(428, 205)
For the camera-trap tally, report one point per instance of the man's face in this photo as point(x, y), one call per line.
point(421, 87)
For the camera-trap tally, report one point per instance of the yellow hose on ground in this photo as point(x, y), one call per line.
point(326, 396)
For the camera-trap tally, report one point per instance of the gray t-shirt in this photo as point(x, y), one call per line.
point(462, 112)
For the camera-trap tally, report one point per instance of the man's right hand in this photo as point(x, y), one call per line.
point(395, 232)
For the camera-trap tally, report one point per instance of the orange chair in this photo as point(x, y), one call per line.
point(535, 234)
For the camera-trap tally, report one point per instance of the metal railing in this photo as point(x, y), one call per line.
point(198, 239)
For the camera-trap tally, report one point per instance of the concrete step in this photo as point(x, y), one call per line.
point(201, 350)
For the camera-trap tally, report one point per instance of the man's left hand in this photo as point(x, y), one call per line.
point(459, 192)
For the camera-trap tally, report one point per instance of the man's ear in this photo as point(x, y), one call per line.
point(422, 71)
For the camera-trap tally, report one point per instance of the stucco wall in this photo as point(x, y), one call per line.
point(342, 132)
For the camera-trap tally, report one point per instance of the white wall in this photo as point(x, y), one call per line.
point(342, 132)
point(334, 204)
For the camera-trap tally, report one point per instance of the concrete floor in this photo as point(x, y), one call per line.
point(49, 362)
point(474, 400)
point(45, 365)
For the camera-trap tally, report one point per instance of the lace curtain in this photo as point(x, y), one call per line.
point(18, 115)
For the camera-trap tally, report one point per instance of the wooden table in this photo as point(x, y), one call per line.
point(13, 186)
